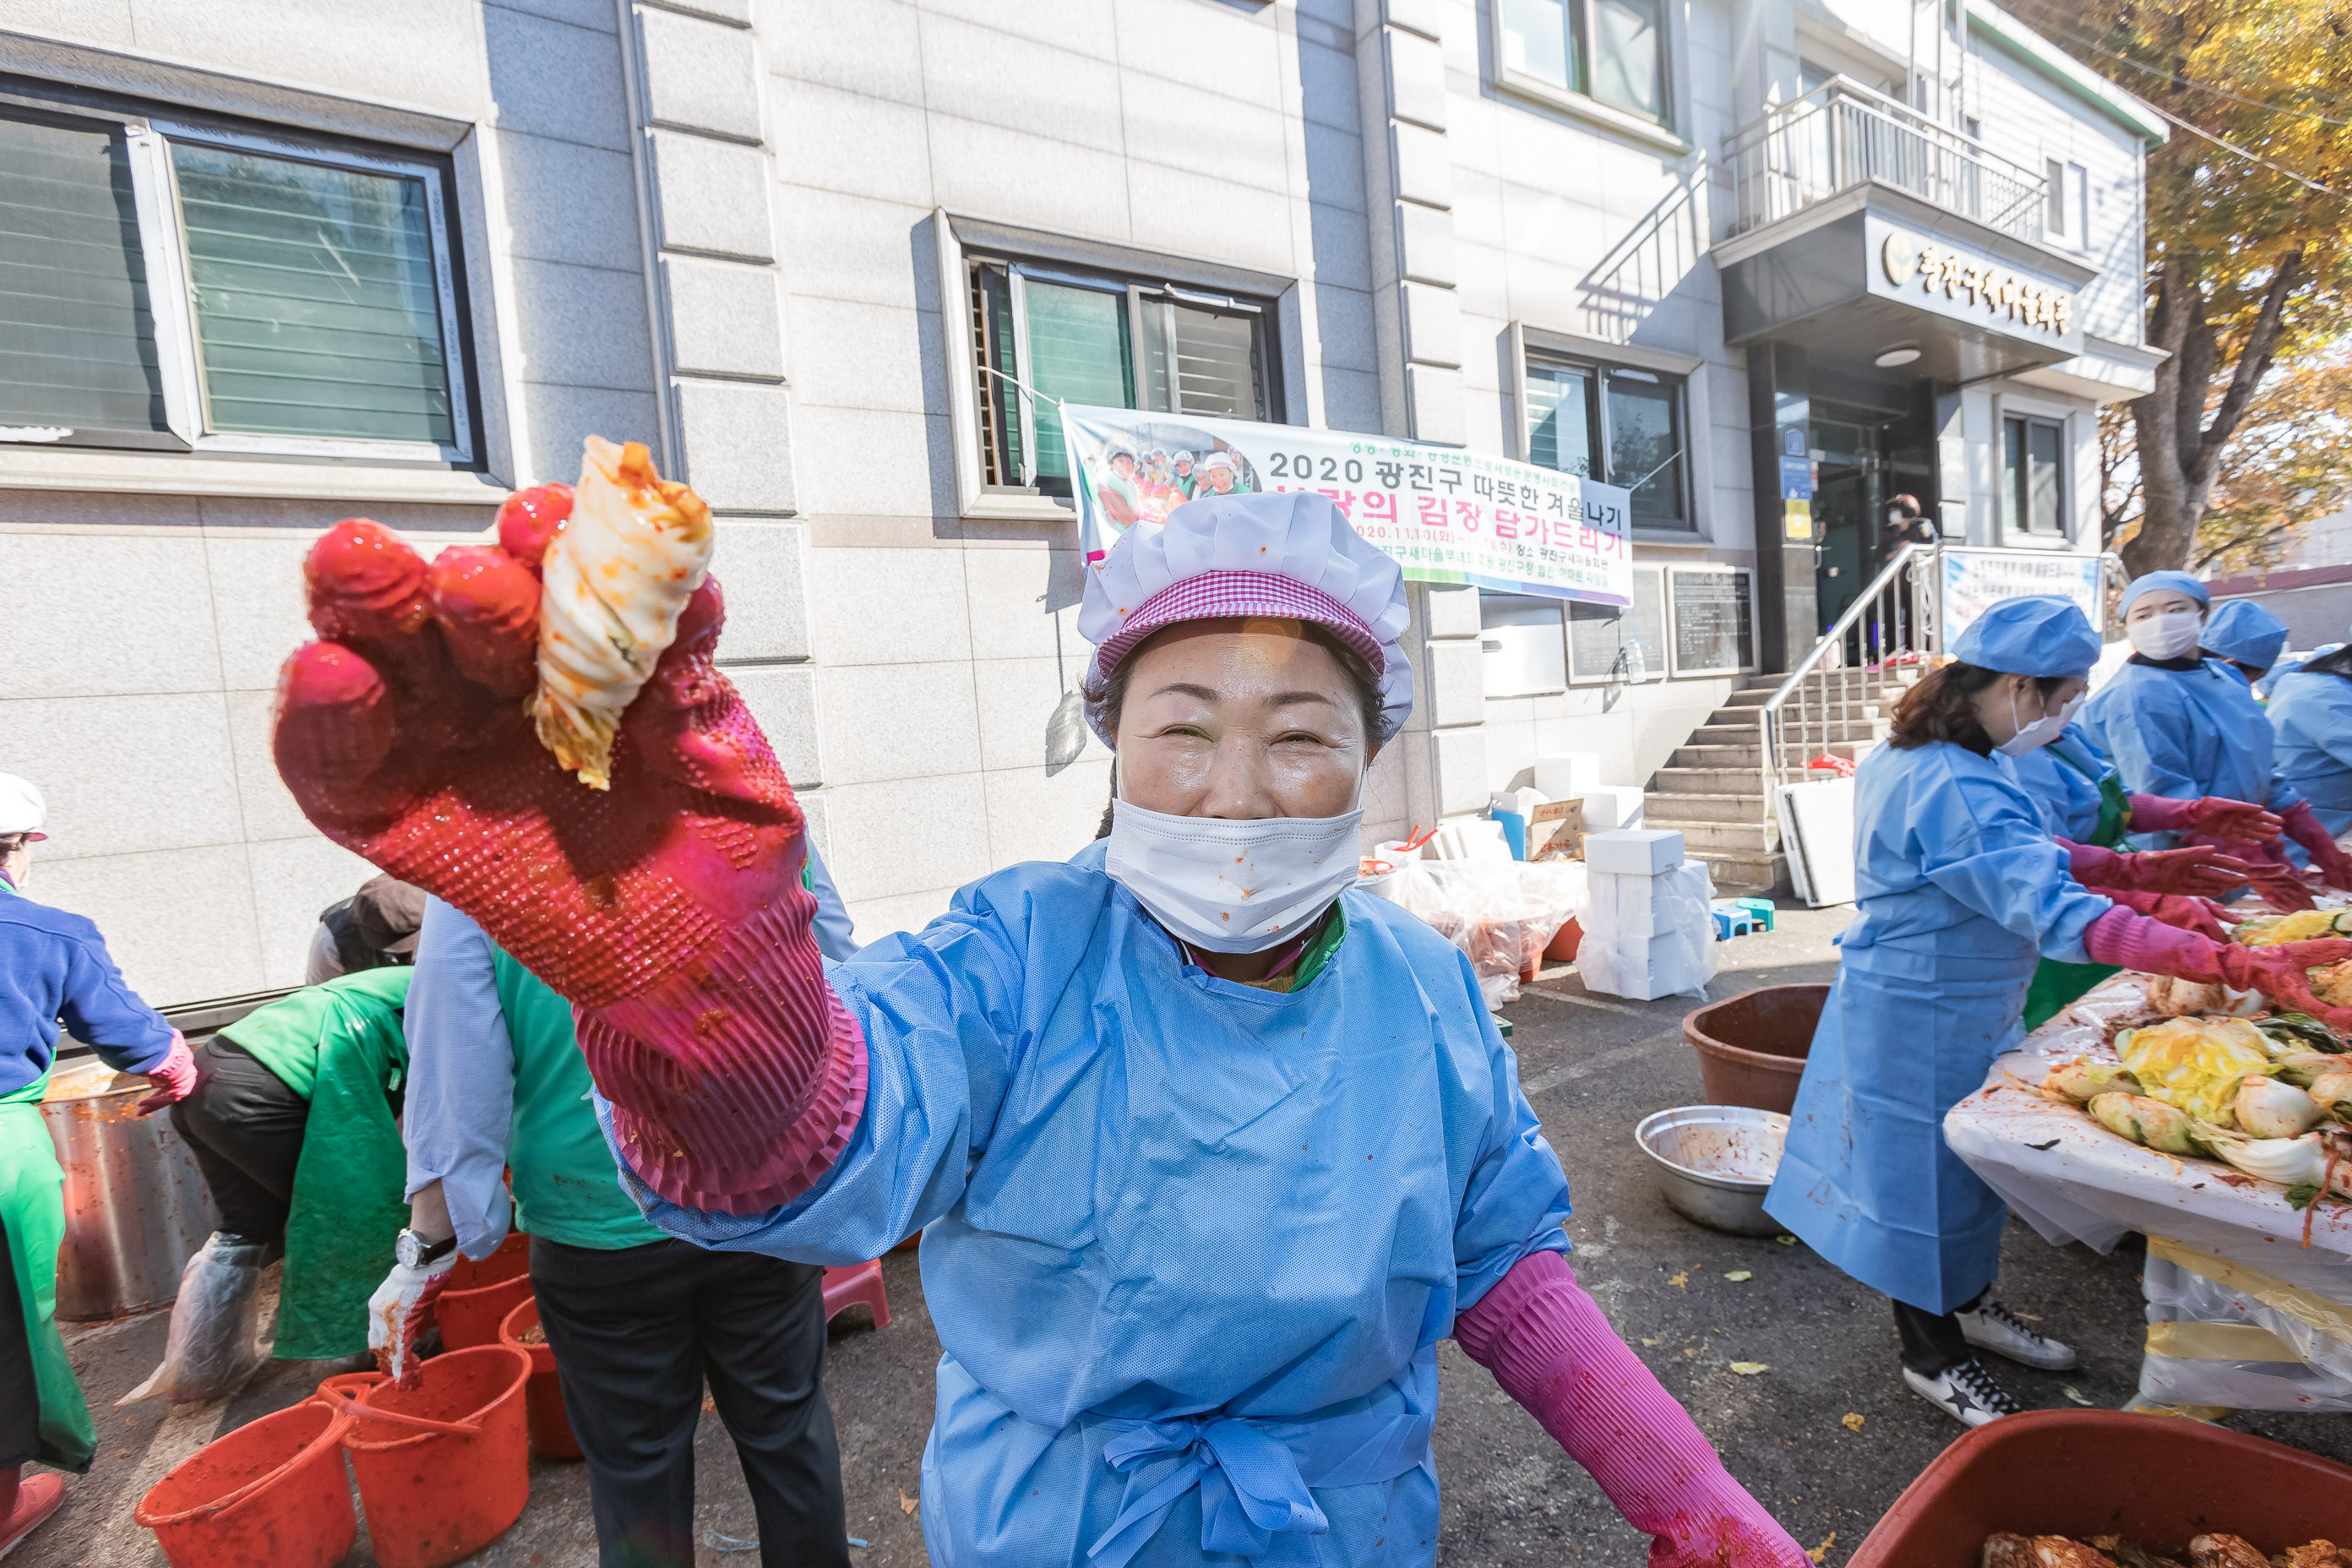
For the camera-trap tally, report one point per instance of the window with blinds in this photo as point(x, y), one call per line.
point(1046, 336)
point(78, 351)
point(192, 287)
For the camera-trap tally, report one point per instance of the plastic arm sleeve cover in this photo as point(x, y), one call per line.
point(2134, 941)
point(2303, 825)
point(2160, 814)
point(1550, 1349)
point(736, 1081)
point(2096, 868)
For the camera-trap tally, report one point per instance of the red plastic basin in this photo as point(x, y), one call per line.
point(2158, 1479)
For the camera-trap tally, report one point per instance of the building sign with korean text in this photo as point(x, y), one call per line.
point(1976, 580)
point(1951, 281)
point(1443, 514)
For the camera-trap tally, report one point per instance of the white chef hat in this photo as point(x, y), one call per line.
point(1290, 553)
point(21, 808)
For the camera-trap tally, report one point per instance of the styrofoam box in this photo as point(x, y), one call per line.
point(1608, 806)
point(1569, 775)
point(1636, 851)
point(1619, 903)
point(1644, 970)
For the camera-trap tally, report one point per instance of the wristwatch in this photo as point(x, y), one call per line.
point(413, 1251)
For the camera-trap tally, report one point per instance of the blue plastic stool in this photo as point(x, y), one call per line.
point(1730, 920)
point(1761, 910)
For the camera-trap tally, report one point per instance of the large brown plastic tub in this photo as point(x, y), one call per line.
point(1752, 1047)
point(2157, 1479)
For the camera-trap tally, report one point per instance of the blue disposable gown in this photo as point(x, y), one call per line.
point(1960, 890)
point(2064, 777)
point(1210, 1233)
point(2311, 715)
point(2187, 733)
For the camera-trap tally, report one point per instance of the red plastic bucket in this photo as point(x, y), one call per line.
point(478, 1295)
point(550, 1425)
point(273, 1491)
point(443, 1467)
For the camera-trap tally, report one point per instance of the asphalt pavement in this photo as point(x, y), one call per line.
point(1592, 1067)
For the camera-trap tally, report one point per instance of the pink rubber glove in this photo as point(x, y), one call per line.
point(1548, 1346)
point(2305, 828)
point(668, 909)
point(2214, 815)
point(174, 1076)
point(2202, 916)
point(2135, 942)
point(2198, 871)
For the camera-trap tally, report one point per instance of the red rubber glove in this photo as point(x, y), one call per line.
point(2202, 916)
point(2198, 871)
point(2134, 941)
point(2214, 815)
point(1548, 1346)
point(2305, 828)
point(668, 909)
point(174, 1076)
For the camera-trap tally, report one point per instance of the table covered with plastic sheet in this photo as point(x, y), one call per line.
point(2249, 1298)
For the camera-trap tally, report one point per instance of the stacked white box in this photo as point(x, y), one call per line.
point(1637, 851)
point(1647, 930)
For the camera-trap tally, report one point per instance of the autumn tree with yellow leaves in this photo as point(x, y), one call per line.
point(2250, 209)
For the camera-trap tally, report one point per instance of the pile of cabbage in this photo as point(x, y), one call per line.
point(2271, 1096)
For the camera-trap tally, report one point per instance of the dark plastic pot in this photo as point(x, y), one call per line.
point(1752, 1047)
point(2157, 1479)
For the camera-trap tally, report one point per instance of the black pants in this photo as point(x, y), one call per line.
point(245, 1127)
point(634, 1333)
point(1933, 1340)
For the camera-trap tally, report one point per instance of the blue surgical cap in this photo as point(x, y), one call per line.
point(2179, 582)
point(2244, 631)
point(2040, 635)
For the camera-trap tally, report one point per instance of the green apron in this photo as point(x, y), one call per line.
point(566, 1187)
point(338, 1045)
point(2056, 984)
point(32, 1197)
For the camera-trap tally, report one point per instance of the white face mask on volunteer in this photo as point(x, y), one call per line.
point(1232, 886)
point(2167, 634)
point(2042, 732)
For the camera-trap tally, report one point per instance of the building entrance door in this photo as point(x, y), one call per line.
point(1850, 495)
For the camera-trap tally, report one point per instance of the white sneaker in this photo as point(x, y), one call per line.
point(1967, 1392)
point(1993, 1327)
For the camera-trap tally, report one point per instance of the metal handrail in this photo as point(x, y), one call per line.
point(1842, 135)
point(1768, 718)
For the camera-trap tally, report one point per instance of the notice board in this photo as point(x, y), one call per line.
point(1713, 630)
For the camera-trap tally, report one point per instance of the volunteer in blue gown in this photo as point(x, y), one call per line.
point(2181, 725)
point(2311, 715)
point(1961, 890)
point(2245, 637)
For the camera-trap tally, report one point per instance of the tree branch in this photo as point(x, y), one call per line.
point(2253, 361)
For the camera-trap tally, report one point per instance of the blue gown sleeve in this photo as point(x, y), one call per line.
point(1516, 1199)
point(2142, 725)
point(459, 1111)
point(1981, 841)
point(101, 1008)
point(940, 1011)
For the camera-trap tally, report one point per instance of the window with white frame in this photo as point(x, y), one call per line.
point(1611, 51)
point(1042, 334)
point(2033, 475)
point(1616, 424)
point(189, 287)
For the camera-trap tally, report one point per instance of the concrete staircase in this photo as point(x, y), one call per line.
point(1712, 789)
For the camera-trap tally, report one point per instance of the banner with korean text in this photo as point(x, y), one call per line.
point(1443, 514)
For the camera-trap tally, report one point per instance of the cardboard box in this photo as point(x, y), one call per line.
point(1556, 830)
point(1636, 851)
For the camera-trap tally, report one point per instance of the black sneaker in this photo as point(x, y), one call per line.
point(1993, 1327)
point(1965, 1391)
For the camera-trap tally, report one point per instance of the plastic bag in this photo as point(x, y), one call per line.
point(1651, 936)
point(1501, 914)
point(215, 1343)
point(2189, 1364)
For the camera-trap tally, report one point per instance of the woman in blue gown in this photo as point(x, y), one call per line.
point(2311, 714)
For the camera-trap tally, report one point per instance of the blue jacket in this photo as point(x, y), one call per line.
point(53, 967)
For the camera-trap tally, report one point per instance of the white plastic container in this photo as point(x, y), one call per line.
point(1633, 851)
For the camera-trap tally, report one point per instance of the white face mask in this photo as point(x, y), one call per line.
point(2042, 732)
point(2168, 635)
point(1232, 886)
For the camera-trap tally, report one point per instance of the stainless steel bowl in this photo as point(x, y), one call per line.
point(1714, 1162)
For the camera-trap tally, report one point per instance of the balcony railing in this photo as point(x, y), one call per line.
point(1842, 134)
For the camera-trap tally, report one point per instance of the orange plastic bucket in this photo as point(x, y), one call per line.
point(273, 1491)
point(443, 1467)
point(478, 1295)
point(551, 1425)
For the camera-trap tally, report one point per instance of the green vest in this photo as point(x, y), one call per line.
point(339, 1046)
point(566, 1187)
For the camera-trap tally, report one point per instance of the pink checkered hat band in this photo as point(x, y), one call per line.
point(1214, 594)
